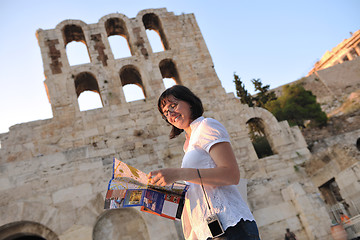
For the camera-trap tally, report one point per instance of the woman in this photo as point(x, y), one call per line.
point(208, 160)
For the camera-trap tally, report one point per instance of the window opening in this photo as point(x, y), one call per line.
point(169, 73)
point(168, 82)
point(89, 100)
point(155, 41)
point(332, 197)
point(119, 46)
point(75, 43)
point(155, 31)
point(77, 53)
point(130, 76)
point(133, 92)
point(88, 89)
point(256, 132)
point(118, 37)
point(331, 192)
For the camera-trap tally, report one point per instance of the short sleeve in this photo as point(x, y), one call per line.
point(211, 132)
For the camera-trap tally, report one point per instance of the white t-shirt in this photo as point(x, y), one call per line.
point(225, 201)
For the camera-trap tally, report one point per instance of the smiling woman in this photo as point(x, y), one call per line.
point(210, 168)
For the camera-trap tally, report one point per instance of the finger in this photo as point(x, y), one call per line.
point(153, 173)
point(155, 180)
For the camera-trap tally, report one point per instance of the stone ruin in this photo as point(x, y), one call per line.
point(55, 172)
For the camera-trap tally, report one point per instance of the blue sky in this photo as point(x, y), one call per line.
point(276, 41)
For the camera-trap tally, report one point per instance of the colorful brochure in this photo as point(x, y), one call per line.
point(129, 187)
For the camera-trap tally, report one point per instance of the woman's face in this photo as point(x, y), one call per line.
point(177, 112)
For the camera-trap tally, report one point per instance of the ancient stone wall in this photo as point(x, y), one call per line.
point(332, 85)
point(347, 50)
point(55, 172)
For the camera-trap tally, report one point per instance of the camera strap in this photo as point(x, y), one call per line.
point(204, 190)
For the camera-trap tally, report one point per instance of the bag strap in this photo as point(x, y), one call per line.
point(204, 190)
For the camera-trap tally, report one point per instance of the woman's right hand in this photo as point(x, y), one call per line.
point(165, 176)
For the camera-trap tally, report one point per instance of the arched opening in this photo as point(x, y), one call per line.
point(168, 82)
point(25, 237)
point(169, 73)
point(130, 76)
point(155, 40)
point(358, 144)
point(26, 230)
point(257, 134)
point(77, 52)
point(123, 223)
point(119, 46)
point(118, 37)
point(87, 91)
point(133, 92)
point(89, 100)
point(155, 32)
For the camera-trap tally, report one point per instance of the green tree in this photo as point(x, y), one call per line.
point(242, 93)
point(264, 95)
point(296, 105)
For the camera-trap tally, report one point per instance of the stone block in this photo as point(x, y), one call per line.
point(274, 213)
point(346, 178)
point(5, 183)
point(71, 193)
point(77, 232)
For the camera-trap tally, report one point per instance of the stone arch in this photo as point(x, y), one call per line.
point(152, 22)
point(80, 23)
point(129, 74)
point(72, 31)
point(22, 229)
point(117, 26)
point(168, 69)
point(272, 129)
point(259, 137)
point(123, 223)
point(86, 81)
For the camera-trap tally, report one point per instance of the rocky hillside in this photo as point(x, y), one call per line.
point(344, 119)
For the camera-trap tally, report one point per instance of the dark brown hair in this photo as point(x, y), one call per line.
point(184, 94)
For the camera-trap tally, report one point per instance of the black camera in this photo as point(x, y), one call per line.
point(215, 225)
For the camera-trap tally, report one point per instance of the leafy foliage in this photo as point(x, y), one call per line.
point(242, 93)
point(258, 138)
point(264, 95)
point(260, 99)
point(296, 105)
point(262, 146)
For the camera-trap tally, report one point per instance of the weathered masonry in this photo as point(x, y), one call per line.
point(54, 172)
